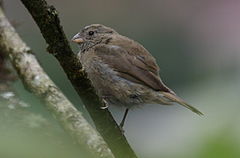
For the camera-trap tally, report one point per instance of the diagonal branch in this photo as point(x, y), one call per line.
point(37, 81)
point(48, 22)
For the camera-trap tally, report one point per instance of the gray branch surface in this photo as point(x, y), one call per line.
point(37, 81)
point(48, 22)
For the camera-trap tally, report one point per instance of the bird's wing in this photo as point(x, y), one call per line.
point(135, 67)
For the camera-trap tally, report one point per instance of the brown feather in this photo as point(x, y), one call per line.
point(180, 101)
point(130, 67)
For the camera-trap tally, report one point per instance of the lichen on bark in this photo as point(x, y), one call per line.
point(37, 82)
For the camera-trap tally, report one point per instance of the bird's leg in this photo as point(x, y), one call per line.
point(124, 118)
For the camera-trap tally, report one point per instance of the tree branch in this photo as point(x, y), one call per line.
point(36, 81)
point(47, 20)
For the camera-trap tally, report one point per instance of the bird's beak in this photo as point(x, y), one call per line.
point(77, 39)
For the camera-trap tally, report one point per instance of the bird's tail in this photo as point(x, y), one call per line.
point(174, 98)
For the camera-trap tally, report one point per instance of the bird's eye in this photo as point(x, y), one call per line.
point(90, 33)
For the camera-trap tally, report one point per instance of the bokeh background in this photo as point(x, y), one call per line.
point(197, 46)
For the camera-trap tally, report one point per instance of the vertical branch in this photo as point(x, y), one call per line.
point(48, 22)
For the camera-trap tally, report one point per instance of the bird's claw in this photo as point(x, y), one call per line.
point(105, 105)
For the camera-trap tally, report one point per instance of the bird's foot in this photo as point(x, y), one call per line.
point(121, 127)
point(105, 105)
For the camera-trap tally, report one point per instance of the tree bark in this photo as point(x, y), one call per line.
point(48, 22)
point(37, 82)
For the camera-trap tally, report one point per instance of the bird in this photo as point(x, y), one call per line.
point(122, 71)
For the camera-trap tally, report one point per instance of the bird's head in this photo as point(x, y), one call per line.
point(92, 35)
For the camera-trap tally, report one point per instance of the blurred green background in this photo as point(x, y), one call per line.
point(197, 46)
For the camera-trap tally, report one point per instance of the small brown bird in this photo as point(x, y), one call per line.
point(121, 70)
